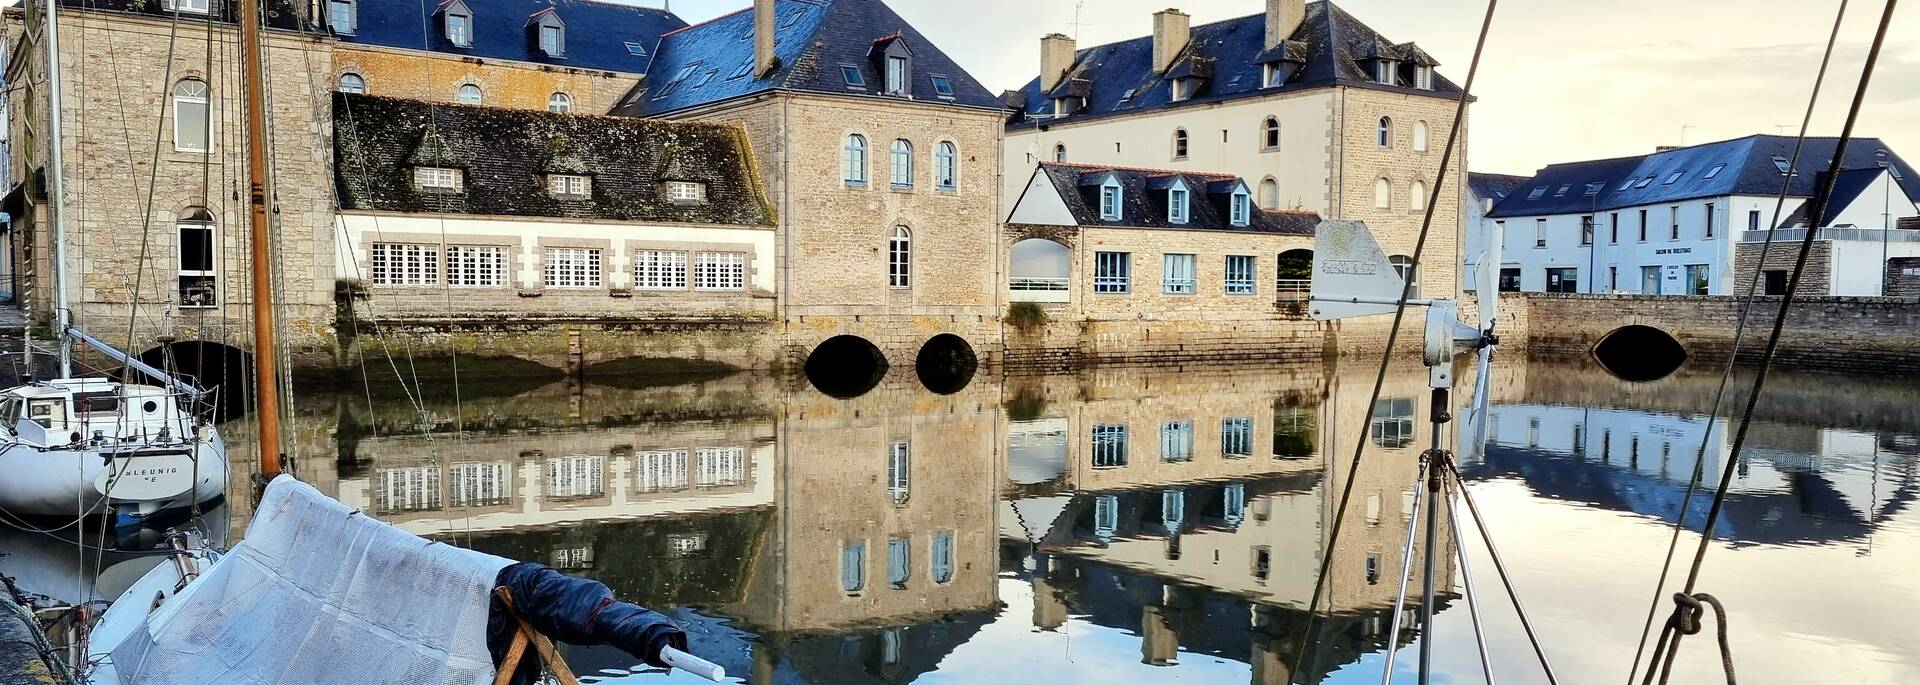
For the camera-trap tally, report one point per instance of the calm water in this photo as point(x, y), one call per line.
point(1135, 525)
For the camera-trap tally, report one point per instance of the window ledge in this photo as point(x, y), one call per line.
point(901, 189)
point(852, 185)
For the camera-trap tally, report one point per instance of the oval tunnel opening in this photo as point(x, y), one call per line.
point(1639, 353)
point(223, 370)
point(946, 364)
point(845, 366)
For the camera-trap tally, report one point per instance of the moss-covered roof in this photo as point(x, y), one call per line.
point(506, 154)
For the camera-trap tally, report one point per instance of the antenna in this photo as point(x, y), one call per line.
point(1076, 24)
point(1683, 133)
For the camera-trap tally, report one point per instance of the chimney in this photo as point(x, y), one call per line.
point(763, 59)
point(1283, 18)
point(1664, 148)
point(1056, 57)
point(1170, 31)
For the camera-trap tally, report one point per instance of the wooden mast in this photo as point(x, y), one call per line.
point(265, 376)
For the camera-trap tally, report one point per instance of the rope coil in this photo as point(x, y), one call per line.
point(1687, 612)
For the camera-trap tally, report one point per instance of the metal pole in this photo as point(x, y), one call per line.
point(1886, 226)
point(1438, 458)
point(1500, 567)
point(62, 312)
point(1406, 571)
point(1466, 581)
point(265, 369)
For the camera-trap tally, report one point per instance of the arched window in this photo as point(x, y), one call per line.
point(1270, 134)
point(946, 166)
point(1179, 143)
point(469, 94)
point(1060, 152)
point(559, 102)
point(353, 83)
point(192, 116)
point(198, 275)
point(902, 163)
point(1403, 265)
point(1293, 274)
point(900, 258)
point(853, 160)
point(1383, 194)
point(1420, 136)
point(1269, 194)
point(1385, 134)
point(1041, 269)
point(1417, 195)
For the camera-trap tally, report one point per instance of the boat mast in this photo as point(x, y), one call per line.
point(265, 376)
point(62, 315)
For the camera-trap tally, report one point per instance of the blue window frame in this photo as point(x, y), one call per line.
point(853, 163)
point(1176, 441)
point(1242, 209)
point(1176, 276)
point(946, 166)
point(1240, 274)
point(1236, 437)
point(1112, 272)
point(943, 556)
point(902, 153)
point(1177, 204)
point(1109, 446)
point(1111, 196)
point(853, 566)
point(899, 562)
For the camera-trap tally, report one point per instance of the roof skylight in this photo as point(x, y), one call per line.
point(1781, 163)
point(1537, 192)
point(1595, 188)
point(636, 49)
point(1643, 183)
point(1562, 192)
point(852, 76)
point(942, 86)
point(1715, 171)
point(1674, 177)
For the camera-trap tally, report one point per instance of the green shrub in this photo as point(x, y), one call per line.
point(1026, 316)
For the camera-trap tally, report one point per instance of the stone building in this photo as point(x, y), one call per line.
point(157, 228)
point(878, 152)
point(1687, 221)
point(1169, 262)
point(560, 55)
point(1317, 111)
point(505, 225)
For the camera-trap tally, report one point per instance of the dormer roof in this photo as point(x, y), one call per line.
point(1144, 199)
point(602, 36)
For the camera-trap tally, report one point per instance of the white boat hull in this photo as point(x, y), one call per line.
point(143, 478)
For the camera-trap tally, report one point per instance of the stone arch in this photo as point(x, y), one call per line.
point(1639, 353)
point(845, 366)
point(224, 370)
point(1040, 270)
point(945, 364)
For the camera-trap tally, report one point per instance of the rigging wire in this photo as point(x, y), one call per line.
point(1687, 608)
point(1393, 333)
point(1739, 333)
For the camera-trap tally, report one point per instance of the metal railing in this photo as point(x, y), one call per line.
point(1046, 284)
point(1292, 289)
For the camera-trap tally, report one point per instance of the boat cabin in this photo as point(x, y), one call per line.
point(75, 410)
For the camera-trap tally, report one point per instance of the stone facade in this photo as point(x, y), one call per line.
point(1850, 334)
point(126, 192)
point(1903, 277)
point(833, 238)
point(1360, 162)
point(1780, 257)
point(437, 77)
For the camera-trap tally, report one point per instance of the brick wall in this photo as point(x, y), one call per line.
point(437, 78)
point(1860, 334)
point(1781, 257)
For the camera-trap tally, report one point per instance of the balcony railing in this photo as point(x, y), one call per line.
point(1043, 284)
point(1292, 289)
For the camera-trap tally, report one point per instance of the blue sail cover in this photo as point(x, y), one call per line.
point(576, 611)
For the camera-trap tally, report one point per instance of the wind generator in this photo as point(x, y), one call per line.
point(1353, 278)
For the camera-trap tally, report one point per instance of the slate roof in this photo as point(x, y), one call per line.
point(813, 39)
point(1851, 184)
point(1749, 169)
point(1144, 199)
point(281, 14)
point(1494, 187)
point(506, 154)
point(1332, 43)
point(597, 33)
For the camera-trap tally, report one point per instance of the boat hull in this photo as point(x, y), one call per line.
point(142, 480)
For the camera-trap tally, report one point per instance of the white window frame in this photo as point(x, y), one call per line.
point(899, 471)
point(577, 476)
point(353, 15)
point(1177, 273)
point(188, 6)
point(572, 268)
point(461, 94)
point(403, 265)
point(1176, 440)
point(213, 261)
point(570, 186)
point(660, 470)
point(359, 89)
point(946, 166)
point(464, 36)
point(659, 270)
point(1109, 449)
point(896, 75)
point(1240, 275)
point(438, 178)
point(719, 271)
point(1417, 196)
point(199, 102)
point(900, 258)
point(1112, 273)
point(1383, 133)
point(1420, 136)
point(686, 192)
point(560, 103)
point(476, 266)
point(1236, 437)
point(718, 467)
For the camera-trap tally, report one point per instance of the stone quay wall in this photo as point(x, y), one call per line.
point(1842, 334)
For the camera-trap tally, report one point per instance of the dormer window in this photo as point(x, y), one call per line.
point(1423, 77)
point(1177, 203)
point(549, 33)
point(457, 22)
point(1385, 71)
point(1241, 210)
point(569, 186)
point(437, 179)
point(1271, 75)
point(686, 192)
point(896, 75)
point(1182, 89)
point(1110, 197)
point(192, 6)
point(341, 15)
point(1065, 106)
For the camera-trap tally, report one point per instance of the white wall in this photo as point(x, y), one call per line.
point(1302, 166)
point(352, 258)
point(1624, 251)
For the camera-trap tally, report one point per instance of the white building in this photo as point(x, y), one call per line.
point(1671, 223)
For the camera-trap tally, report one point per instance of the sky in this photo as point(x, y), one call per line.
point(1559, 82)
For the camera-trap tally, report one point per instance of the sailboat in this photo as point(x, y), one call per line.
point(78, 447)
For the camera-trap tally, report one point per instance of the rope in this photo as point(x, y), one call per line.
point(1685, 620)
point(1393, 334)
point(1823, 195)
point(1733, 355)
